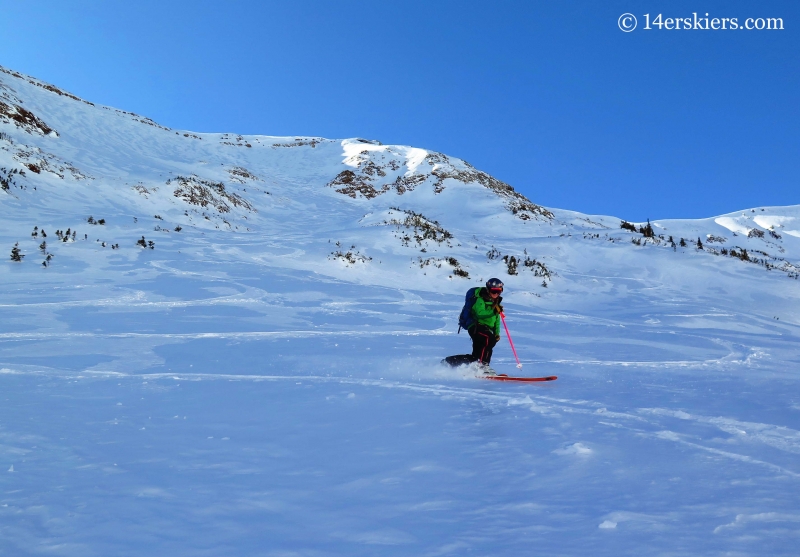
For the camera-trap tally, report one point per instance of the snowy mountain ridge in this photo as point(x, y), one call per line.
point(56, 147)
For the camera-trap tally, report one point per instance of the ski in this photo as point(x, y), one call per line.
point(504, 377)
point(466, 361)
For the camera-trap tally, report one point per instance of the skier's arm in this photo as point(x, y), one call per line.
point(499, 310)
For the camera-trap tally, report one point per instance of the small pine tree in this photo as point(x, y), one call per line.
point(683, 243)
point(699, 244)
point(647, 231)
point(511, 263)
point(16, 255)
point(43, 246)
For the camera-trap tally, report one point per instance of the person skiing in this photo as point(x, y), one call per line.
point(483, 324)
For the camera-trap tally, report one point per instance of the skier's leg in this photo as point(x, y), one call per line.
point(481, 339)
point(490, 347)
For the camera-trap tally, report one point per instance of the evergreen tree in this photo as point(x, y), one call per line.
point(16, 255)
point(511, 263)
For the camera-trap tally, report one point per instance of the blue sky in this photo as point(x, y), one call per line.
point(551, 97)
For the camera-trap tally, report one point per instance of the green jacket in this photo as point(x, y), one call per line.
point(483, 310)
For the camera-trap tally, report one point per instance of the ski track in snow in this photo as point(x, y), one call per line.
point(781, 438)
point(587, 428)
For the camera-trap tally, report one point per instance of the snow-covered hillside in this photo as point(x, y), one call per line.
point(228, 345)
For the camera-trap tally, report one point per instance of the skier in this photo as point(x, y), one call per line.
point(482, 323)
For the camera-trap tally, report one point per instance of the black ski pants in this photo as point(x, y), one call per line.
point(483, 341)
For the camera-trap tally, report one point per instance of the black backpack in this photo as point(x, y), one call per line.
point(465, 320)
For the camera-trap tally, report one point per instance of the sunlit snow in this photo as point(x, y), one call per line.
point(265, 380)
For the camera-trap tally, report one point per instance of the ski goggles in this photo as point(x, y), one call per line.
point(496, 290)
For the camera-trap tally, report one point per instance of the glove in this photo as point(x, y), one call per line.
point(497, 338)
point(498, 309)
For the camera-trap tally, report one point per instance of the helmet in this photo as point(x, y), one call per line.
point(494, 285)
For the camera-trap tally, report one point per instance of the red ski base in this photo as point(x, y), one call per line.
point(504, 377)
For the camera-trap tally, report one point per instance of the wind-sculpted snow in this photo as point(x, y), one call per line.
point(232, 386)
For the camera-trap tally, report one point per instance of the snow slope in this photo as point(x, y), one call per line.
point(265, 379)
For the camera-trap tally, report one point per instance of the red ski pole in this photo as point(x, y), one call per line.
point(514, 350)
